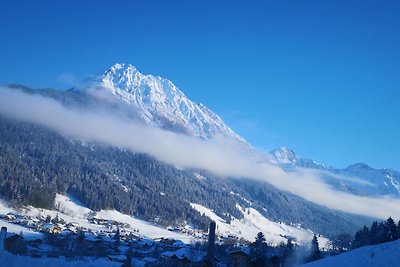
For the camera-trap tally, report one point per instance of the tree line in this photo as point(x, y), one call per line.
point(377, 233)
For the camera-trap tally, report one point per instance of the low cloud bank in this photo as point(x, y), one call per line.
point(216, 155)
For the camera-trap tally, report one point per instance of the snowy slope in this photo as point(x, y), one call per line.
point(157, 101)
point(71, 210)
point(14, 228)
point(146, 229)
point(386, 254)
point(253, 223)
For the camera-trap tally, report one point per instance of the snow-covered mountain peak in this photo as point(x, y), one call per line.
point(284, 155)
point(123, 67)
point(121, 70)
point(157, 101)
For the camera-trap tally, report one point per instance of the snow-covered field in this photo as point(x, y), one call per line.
point(146, 229)
point(254, 222)
point(17, 229)
point(75, 209)
point(71, 210)
point(14, 228)
point(386, 254)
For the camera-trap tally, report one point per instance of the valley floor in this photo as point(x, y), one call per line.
point(73, 235)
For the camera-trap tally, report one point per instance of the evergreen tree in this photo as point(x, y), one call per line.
point(117, 238)
point(398, 230)
point(374, 233)
point(290, 255)
point(365, 236)
point(56, 219)
point(315, 253)
point(128, 254)
point(391, 230)
point(258, 251)
point(357, 242)
point(343, 241)
point(362, 238)
point(382, 232)
point(289, 244)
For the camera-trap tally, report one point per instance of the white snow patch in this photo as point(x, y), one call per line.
point(72, 211)
point(18, 229)
point(386, 254)
point(395, 183)
point(254, 222)
point(145, 228)
point(199, 176)
point(15, 228)
point(71, 206)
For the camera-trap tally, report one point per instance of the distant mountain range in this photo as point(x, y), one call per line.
point(359, 179)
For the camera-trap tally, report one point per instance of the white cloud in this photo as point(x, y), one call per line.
point(217, 155)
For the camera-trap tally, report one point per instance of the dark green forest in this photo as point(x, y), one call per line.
point(36, 163)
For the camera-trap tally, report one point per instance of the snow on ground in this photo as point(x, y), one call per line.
point(4, 209)
point(14, 228)
point(71, 206)
point(253, 223)
point(17, 229)
point(71, 210)
point(8, 259)
point(386, 254)
point(199, 176)
point(145, 228)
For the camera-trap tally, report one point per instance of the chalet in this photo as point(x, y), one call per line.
point(146, 243)
point(240, 257)
point(52, 228)
point(167, 241)
point(185, 257)
point(10, 217)
point(15, 244)
point(28, 223)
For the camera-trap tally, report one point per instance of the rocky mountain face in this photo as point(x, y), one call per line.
point(157, 101)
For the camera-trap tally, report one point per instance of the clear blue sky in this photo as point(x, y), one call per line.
point(321, 77)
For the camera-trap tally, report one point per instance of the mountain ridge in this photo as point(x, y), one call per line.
point(358, 178)
point(157, 100)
